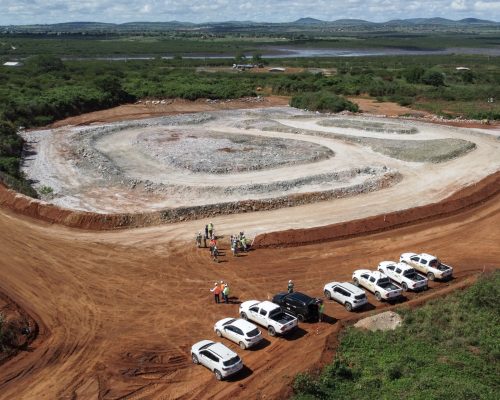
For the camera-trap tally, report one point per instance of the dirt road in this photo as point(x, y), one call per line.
point(118, 311)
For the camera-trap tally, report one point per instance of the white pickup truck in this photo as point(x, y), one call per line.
point(428, 264)
point(377, 283)
point(268, 314)
point(404, 275)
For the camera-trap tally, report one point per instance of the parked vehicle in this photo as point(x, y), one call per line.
point(377, 283)
point(240, 331)
point(219, 359)
point(269, 315)
point(427, 264)
point(304, 307)
point(403, 274)
point(350, 296)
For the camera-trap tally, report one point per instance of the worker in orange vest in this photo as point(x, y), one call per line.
point(216, 291)
point(222, 286)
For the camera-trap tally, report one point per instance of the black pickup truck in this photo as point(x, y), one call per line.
point(304, 307)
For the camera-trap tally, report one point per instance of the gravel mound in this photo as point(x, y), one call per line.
point(218, 153)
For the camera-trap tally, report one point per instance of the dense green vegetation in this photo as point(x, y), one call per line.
point(448, 349)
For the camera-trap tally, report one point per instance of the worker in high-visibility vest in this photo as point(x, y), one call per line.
point(225, 293)
point(210, 230)
point(216, 291)
point(321, 309)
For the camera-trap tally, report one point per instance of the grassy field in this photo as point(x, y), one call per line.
point(447, 349)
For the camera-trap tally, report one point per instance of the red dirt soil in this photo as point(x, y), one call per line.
point(171, 107)
point(118, 311)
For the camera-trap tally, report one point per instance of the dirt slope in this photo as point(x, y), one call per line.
point(118, 311)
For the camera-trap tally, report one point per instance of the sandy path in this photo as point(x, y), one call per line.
point(120, 309)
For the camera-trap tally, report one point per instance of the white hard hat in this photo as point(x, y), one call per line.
point(290, 281)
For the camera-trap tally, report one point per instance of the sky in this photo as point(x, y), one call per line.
point(22, 12)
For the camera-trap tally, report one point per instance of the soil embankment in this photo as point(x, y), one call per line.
point(468, 197)
point(463, 199)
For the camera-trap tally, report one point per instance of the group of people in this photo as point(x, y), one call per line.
point(219, 289)
point(239, 243)
point(209, 235)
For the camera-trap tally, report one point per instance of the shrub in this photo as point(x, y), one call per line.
point(322, 101)
point(433, 78)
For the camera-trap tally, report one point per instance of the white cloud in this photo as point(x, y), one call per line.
point(18, 12)
point(459, 5)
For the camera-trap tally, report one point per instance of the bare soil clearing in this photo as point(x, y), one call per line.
point(119, 310)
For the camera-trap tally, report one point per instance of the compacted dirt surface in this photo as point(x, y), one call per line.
point(118, 311)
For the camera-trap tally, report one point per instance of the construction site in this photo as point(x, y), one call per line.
point(104, 270)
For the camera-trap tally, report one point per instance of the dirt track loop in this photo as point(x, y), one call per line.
point(118, 311)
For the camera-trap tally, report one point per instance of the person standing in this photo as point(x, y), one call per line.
point(198, 239)
point(212, 244)
point(210, 230)
point(290, 286)
point(216, 291)
point(225, 293)
point(321, 309)
point(234, 246)
point(206, 231)
point(215, 254)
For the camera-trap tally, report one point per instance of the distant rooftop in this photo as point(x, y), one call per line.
point(12, 64)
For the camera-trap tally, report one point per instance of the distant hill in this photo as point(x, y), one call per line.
point(308, 21)
point(476, 21)
point(302, 23)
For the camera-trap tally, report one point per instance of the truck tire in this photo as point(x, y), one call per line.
point(271, 331)
point(431, 276)
point(243, 346)
point(218, 375)
point(300, 317)
point(328, 295)
point(195, 359)
point(244, 316)
point(378, 296)
point(218, 333)
point(348, 306)
point(356, 281)
point(404, 286)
